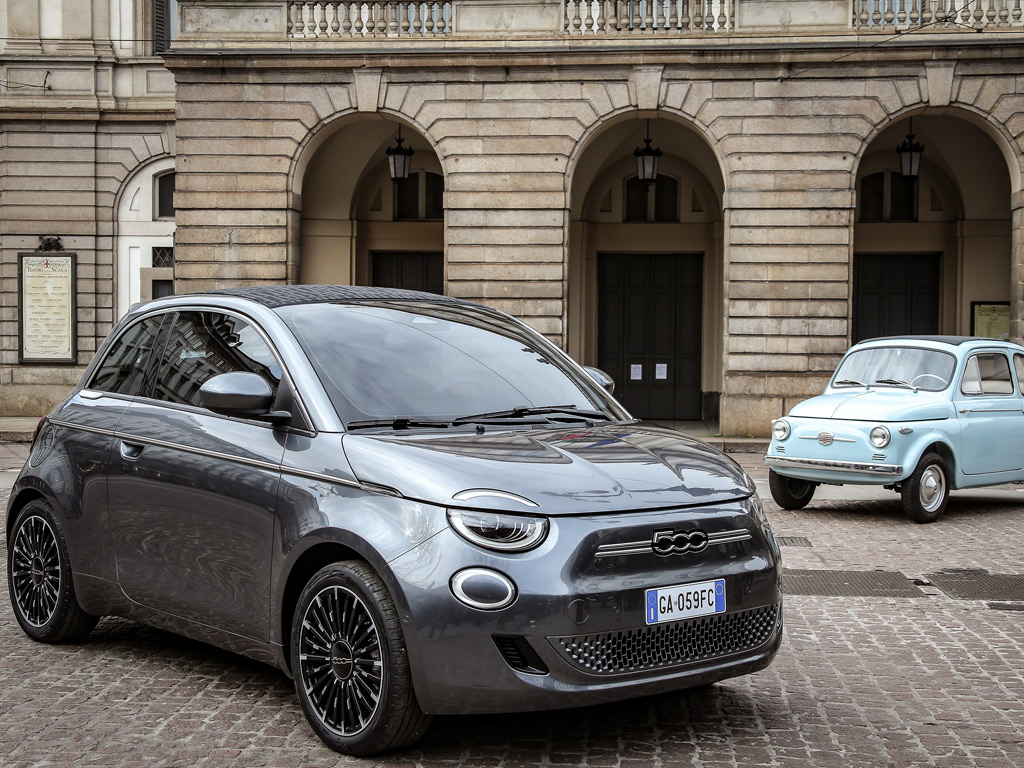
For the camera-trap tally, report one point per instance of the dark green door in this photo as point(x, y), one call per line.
point(413, 271)
point(649, 331)
point(895, 294)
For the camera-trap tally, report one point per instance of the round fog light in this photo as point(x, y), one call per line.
point(483, 589)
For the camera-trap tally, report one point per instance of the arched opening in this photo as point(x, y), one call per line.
point(145, 235)
point(932, 254)
point(357, 226)
point(645, 270)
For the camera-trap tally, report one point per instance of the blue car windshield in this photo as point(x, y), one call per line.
point(925, 369)
point(435, 362)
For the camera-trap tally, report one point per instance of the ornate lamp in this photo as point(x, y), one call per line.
point(399, 159)
point(647, 159)
point(910, 154)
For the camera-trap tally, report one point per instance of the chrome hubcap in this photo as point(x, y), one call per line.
point(932, 488)
point(340, 660)
point(35, 571)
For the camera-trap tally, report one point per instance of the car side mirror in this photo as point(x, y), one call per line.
point(607, 382)
point(241, 394)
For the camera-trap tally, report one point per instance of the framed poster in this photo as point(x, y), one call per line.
point(46, 297)
point(990, 319)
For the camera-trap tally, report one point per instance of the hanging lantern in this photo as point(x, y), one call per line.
point(399, 159)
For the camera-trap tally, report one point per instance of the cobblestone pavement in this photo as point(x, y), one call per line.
point(929, 680)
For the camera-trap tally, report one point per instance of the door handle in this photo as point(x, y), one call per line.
point(131, 451)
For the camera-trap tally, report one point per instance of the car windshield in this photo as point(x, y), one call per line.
point(423, 362)
point(907, 367)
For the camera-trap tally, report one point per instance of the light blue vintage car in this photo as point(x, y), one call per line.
point(922, 415)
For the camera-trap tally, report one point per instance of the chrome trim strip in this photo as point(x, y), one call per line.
point(834, 439)
point(839, 466)
point(82, 427)
point(476, 493)
point(990, 410)
point(645, 547)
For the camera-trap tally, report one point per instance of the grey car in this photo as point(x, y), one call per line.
point(411, 504)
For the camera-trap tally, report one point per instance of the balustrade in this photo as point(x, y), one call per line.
point(337, 19)
point(637, 17)
point(889, 15)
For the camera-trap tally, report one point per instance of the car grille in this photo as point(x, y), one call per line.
point(666, 645)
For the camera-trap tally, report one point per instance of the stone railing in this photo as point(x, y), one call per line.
point(888, 15)
point(321, 19)
point(316, 20)
point(609, 17)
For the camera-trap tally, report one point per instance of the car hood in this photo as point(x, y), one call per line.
point(876, 405)
point(562, 471)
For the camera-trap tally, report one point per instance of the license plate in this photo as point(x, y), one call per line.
point(685, 601)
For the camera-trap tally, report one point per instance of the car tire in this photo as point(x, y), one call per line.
point(350, 663)
point(926, 492)
point(790, 492)
point(39, 578)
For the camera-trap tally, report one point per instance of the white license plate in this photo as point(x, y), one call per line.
point(685, 601)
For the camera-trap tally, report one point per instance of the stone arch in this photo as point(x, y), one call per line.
point(689, 246)
point(343, 198)
point(143, 236)
point(964, 218)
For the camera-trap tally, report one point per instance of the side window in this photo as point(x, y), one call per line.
point(202, 345)
point(987, 373)
point(1018, 364)
point(124, 368)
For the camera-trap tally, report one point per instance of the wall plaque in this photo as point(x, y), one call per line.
point(46, 293)
point(990, 319)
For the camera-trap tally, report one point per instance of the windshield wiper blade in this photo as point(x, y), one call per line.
point(850, 383)
point(397, 423)
point(523, 411)
point(896, 382)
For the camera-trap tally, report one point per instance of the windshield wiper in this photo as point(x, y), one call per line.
point(398, 423)
point(850, 383)
point(896, 382)
point(523, 411)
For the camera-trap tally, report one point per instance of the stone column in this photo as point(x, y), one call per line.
point(1017, 269)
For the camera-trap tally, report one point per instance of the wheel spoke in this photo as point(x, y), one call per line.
point(35, 570)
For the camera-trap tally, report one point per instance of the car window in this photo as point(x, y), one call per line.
point(202, 345)
point(987, 373)
point(124, 368)
point(1018, 363)
point(926, 369)
point(430, 362)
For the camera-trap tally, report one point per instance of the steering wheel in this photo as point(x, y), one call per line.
point(941, 380)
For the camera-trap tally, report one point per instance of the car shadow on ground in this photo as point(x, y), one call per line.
point(957, 509)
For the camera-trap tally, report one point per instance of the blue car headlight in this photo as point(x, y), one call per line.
point(780, 429)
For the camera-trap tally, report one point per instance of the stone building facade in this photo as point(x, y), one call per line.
point(779, 229)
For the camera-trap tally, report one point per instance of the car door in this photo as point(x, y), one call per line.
point(84, 428)
point(988, 406)
point(192, 505)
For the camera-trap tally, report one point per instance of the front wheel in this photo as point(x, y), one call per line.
point(39, 578)
point(926, 492)
point(789, 492)
point(351, 668)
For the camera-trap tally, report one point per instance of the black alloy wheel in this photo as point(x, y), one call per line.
point(790, 492)
point(351, 670)
point(39, 578)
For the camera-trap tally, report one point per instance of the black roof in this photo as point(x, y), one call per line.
point(274, 296)
point(953, 340)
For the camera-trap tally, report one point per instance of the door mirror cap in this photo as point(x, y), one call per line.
point(240, 393)
point(602, 378)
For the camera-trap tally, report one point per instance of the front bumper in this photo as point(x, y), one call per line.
point(851, 468)
point(576, 634)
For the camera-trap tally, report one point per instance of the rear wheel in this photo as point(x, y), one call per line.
point(39, 578)
point(789, 492)
point(926, 492)
point(351, 668)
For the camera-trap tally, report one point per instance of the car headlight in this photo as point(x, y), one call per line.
point(499, 531)
point(880, 437)
point(780, 429)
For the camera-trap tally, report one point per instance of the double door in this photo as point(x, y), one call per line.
point(649, 331)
